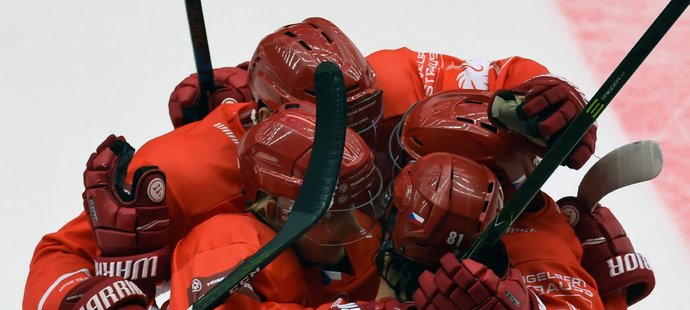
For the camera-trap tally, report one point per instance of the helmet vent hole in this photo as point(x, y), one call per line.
point(466, 120)
point(290, 34)
point(305, 45)
point(473, 101)
point(289, 106)
point(314, 26)
point(326, 37)
point(490, 188)
point(310, 92)
point(417, 142)
point(489, 127)
point(486, 206)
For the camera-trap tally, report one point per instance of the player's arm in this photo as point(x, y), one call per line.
point(608, 253)
point(61, 260)
point(544, 248)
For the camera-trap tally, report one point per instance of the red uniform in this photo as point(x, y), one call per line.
point(203, 181)
point(406, 76)
point(213, 248)
point(545, 249)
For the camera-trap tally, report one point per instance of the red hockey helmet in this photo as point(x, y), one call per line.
point(283, 66)
point(443, 201)
point(456, 121)
point(273, 157)
point(440, 204)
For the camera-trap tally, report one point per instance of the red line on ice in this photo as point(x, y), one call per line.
point(655, 104)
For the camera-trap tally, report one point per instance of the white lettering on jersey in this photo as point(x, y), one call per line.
point(427, 65)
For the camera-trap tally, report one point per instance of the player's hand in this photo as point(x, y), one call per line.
point(232, 88)
point(468, 284)
point(105, 293)
point(541, 108)
point(608, 254)
point(130, 226)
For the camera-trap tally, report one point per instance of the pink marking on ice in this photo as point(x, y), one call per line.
point(655, 103)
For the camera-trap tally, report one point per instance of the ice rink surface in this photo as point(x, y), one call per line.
point(72, 72)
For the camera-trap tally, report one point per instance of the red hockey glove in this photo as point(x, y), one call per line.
point(232, 88)
point(608, 254)
point(105, 293)
point(541, 108)
point(131, 229)
point(468, 284)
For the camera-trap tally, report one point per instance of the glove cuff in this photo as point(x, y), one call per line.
point(629, 274)
point(106, 292)
point(147, 266)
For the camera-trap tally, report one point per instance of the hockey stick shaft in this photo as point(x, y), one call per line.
point(629, 164)
point(202, 56)
point(316, 192)
point(577, 129)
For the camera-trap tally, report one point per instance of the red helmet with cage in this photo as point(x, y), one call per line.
point(283, 66)
point(273, 157)
point(442, 202)
point(456, 121)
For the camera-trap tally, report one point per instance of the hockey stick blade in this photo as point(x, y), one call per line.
point(202, 59)
point(576, 130)
point(629, 164)
point(315, 195)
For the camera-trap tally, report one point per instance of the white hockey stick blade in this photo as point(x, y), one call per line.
point(629, 164)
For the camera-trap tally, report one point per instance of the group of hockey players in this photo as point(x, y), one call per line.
point(435, 145)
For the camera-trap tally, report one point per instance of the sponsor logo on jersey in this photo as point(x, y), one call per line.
point(572, 215)
point(428, 66)
point(512, 230)
point(202, 285)
point(550, 282)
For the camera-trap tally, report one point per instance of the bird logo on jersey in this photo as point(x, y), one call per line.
point(474, 74)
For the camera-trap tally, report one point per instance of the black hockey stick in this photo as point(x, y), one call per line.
point(202, 59)
point(316, 193)
point(576, 130)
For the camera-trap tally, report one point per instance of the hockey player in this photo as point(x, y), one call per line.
point(334, 259)
point(197, 178)
point(440, 204)
point(461, 116)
